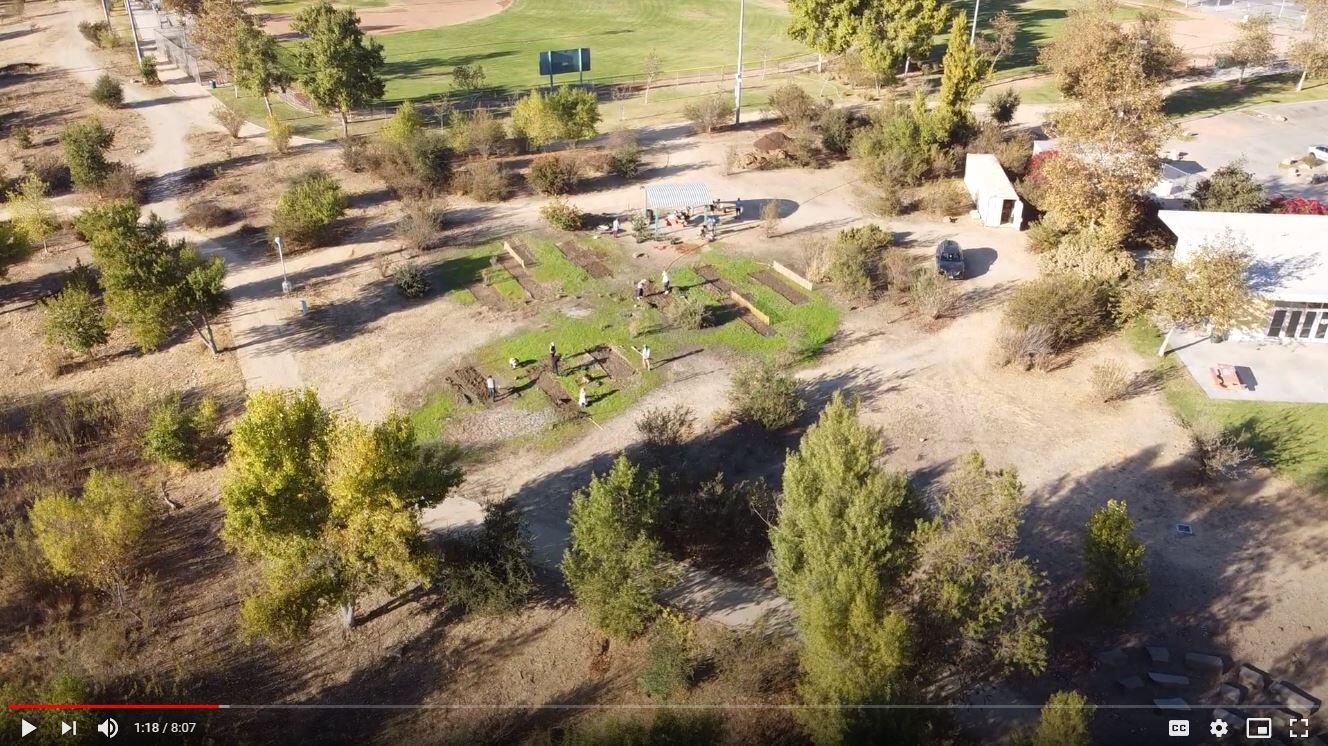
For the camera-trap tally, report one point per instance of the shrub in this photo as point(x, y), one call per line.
point(22, 136)
point(121, 183)
point(109, 39)
point(666, 429)
point(837, 128)
point(554, 174)
point(719, 517)
point(761, 393)
point(1030, 346)
point(278, 133)
point(1109, 381)
point(410, 280)
point(93, 30)
point(1072, 310)
point(850, 263)
point(431, 159)
point(625, 162)
point(1090, 254)
point(419, 228)
point(795, 106)
point(1114, 574)
point(562, 215)
point(478, 132)
point(932, 295)
point(305, 213)
point(73, 319)
point(642, 228)
point(147, 68)
point(1043, 237)
point(178, 433)
point(204, 215)
point(947, 197)
point(356, 153)
point(1015, 153)
point(85, 143)
point(710, 112)
point(898, 269)
point(230, 120)
point(1002, 105)
point(404, 126)
point(668, 668)
point(483, 181)
point(687, 312)
point(490, 573)
point(1220, 451)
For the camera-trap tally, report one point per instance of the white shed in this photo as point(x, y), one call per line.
point(991, 190)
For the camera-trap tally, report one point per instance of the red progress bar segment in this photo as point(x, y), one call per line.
point(112, 707)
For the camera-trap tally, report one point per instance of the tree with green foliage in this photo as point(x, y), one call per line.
point(763, 394)
point(969, 578)
point(566, 114)
point(305, 212)
point(153, 285)
point(14, 247)
point(257, 66)
point(220, 30)
point(1310, 53)
point(533, 119)
point(330, 506)
point(107, 91)
point(95, 537)
point(405, 125)
point(964, 71)
point(999, 38)
point(841, 547)
point(1230, 189)
point(615, 566)
point(86, 142)
point(341, 67)
point(31, 213)
point(1066, 720)
point(668, 668)
point(478, 132)
point(179, 433)
point(1254, 45)
point(73, 319)
point(886, 33)
point(1114, 574)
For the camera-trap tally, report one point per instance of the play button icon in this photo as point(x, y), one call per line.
point(26, 727)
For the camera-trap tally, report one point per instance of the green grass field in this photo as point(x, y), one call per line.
point(1290, 438)
point(686, 34)
point(1211, 98)
point(610, 318)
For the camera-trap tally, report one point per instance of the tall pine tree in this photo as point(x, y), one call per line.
point(963, 72)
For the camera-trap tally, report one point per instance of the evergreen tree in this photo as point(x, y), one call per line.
point(14, 247)
point(1065, 721)
point(1230, 189)
point(405, 125)
point(840, 547)
point(86, 142)
point(887, 33)
point(963, 73)
point(342, 69)
point(31, 211)
point(74, 320)
point(1114, 573)
point(615, 566)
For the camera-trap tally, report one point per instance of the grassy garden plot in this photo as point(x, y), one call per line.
point(1291, 438)
point(610, 317)
point(1228, 95)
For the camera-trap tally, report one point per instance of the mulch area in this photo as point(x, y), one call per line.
point(585, 259)
point(523, 278)
point(712, 278)
point(613, 363)
point(468, 385)
point(552, 389)
point(778, 284)
point(488, 296)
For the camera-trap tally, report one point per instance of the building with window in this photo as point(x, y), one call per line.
point(998, 204)
point(1290, 268)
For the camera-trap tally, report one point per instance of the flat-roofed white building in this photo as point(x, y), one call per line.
point(997, 202)
point(1290, 265)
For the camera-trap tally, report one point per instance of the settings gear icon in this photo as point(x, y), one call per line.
point(1218, 728)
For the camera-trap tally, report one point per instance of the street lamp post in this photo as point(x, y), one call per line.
point(281, 257)
point(973, 32)
point(737, 80)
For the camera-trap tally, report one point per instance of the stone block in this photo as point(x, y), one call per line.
point(1294, 699)
point(1130, 683)
point(1251, 677)
point(1159, 654)
point(1169, 680)
point(1113, 658)
point(1175, 704)
point(1204, 662)
point(1231, 694)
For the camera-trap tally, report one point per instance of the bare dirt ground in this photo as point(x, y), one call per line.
point(405, 15)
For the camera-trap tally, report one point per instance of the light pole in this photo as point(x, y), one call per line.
point(737, 80)
point(973, 32)
point(281, 257)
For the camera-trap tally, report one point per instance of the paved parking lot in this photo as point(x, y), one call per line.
point(1262, 139)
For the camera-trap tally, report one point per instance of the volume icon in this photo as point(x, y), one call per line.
point(109, 728)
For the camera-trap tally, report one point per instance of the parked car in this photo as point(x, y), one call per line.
point(1319, 151)
point(950, 259)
